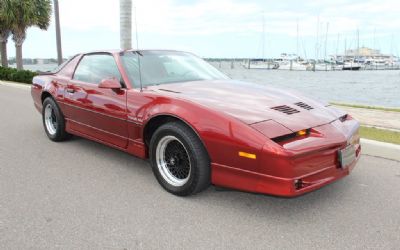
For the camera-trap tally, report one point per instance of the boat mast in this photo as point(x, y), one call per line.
point(317, 43)
point(374, 42)
point(391, 46)
point(358, 44)
point(263, 37)
point(337, 44)
point(297, 38)
point(326, 39)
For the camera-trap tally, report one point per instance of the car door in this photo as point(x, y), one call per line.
point(97, 112)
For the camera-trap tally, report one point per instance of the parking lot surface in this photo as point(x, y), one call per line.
point(82, 195)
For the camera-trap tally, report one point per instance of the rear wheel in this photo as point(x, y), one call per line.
point(179, 160)
point(53, 121)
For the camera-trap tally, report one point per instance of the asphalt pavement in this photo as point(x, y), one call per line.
point(82, 195)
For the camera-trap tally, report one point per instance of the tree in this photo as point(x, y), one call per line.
point(58, 32)
point(125, 24)
point(4, 34)
point(22, 15)
point(5, 31)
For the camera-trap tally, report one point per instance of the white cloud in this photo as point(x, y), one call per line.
point(88, 14)
point(158, 16)
point(210, 17)
point(205, 17)
point(216, 27)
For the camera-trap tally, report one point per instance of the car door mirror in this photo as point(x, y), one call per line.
point(110, 83)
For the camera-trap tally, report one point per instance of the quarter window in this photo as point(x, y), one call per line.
point(94, 68)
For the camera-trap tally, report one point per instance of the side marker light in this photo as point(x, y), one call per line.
point(247, 155)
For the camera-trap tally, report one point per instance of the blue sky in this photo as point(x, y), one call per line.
point(224, 28)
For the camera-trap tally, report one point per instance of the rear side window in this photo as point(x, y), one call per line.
point(96, 67)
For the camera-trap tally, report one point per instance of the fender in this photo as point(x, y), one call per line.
point(40, 86)
point(213, 128)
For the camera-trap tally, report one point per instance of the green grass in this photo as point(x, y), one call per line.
point(380, 134)
point(366, 107)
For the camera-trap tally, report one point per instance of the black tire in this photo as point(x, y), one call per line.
point(59, 122)
point(199, 176)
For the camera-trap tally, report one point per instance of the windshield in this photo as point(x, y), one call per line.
point(161, 67)
point(61, 66)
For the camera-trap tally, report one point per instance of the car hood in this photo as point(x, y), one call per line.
point(253, 103)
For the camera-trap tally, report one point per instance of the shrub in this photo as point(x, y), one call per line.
point(15, 75)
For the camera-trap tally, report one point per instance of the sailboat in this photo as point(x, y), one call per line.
point(291, 62)
point(351, 65)
point(261, 63)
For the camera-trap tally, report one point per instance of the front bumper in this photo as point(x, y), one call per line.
point(299, 168)
point(310, 181)
point(280, 186)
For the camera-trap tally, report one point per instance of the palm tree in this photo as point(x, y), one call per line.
point(58, 32)
point(22, 15)
point(5, 31)
point(125, 24)
point(4, 34)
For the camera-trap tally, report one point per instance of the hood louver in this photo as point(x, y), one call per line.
point(303, 105)
point(285, 109)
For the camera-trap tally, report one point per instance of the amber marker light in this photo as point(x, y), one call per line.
point(302, 132)
point(247, 155)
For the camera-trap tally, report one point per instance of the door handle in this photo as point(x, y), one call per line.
point(69, 90)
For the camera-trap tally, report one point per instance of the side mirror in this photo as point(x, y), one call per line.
point(110, 83)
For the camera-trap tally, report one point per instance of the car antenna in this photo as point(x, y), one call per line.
point(138, 53)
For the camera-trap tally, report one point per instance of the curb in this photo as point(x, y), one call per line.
point(15, 84)
point(380, 149)
point(382, 128)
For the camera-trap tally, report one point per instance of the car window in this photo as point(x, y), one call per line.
point(161, 67)
point(94, 68)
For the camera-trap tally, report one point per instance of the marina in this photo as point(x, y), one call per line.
point(368, 87)
point(358, 59)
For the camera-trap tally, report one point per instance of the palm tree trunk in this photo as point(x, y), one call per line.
point(4, 61)
point(18, 56)
point(3, 44)
point(125, 24)
point(58, 32)
point(19, 38)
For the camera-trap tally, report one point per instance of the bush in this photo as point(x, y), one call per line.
point(15, 75)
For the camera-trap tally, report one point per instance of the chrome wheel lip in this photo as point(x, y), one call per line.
point(162, 162)
point(50, 122)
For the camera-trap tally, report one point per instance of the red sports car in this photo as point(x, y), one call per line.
point(196, 125)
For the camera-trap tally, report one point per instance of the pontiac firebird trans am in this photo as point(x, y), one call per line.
point(196, 125)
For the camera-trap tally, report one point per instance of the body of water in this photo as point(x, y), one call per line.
point(378, 88)
point(39, 67)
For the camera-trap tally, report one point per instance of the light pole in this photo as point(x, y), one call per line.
point(125, 24)
point(58, 32)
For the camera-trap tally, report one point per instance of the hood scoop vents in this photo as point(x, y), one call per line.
point(286, 109)
point(303, 105)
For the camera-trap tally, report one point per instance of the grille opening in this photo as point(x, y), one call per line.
point(285, 109)
point(291, 136)
point(303, 105)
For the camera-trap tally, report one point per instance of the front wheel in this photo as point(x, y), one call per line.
point(179, 160)
point(53, 121)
